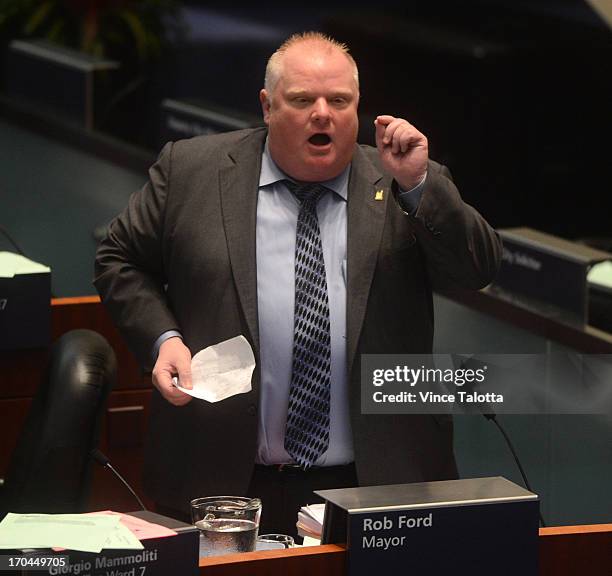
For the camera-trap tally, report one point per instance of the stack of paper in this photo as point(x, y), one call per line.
point(601, 275)
point(84, 532)
point(310, 520)
point(12, 264)
point(142, 529)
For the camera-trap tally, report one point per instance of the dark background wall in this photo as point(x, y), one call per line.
point(514, 97)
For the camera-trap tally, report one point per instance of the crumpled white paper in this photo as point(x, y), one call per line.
point(221, 371)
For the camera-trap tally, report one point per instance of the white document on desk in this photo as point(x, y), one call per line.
point(71, 531)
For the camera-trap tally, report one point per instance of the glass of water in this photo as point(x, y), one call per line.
point(227, 524)
point(273, 541)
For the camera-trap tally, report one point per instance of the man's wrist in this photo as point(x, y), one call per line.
point(162, 338)
point(413, 183)
point(409, 199)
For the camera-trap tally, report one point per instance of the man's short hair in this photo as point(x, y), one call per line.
point(275, 63)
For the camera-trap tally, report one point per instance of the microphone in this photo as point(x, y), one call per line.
point(5, 233)
point(492, 417)
point(487, 411)
point(101, 459)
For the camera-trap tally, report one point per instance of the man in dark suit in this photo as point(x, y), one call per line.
point(317, 250)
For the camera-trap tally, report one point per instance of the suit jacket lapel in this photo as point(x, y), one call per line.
point(239, 185)
point(366, 217)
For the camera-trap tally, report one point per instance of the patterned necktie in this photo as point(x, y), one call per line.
point(307, 431)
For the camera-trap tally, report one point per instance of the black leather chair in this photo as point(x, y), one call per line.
point(50, 469)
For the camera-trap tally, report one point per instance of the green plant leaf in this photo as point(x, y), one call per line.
point(56, 32)
point(13, 9)
point(138, 32)
point(97, 49)
point(40, 14)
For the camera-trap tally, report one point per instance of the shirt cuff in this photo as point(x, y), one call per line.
point(165, 336)
point(409, 199)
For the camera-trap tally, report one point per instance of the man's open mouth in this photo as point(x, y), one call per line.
point(319, 139)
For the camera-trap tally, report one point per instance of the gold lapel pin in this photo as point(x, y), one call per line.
point(380, 195)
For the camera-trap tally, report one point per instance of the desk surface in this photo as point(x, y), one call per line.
point(564, 551)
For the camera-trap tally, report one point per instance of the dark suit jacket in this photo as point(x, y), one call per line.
point(182, 256)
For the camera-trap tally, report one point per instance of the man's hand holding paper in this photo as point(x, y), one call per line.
point(174, 358)
point(219, 371)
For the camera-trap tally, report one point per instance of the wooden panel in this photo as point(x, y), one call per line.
point(13, 414)
point(570, 550)
point(125, 426)
point(21, 372)
point(328, 560)
point(126, 455)
point(564, 551)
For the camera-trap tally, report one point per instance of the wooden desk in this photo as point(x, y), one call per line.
point(564, 551)
point(315, 560)
point(581, 550)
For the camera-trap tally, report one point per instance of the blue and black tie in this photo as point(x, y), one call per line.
point(307, 431)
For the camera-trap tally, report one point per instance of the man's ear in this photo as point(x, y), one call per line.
point(265, 105)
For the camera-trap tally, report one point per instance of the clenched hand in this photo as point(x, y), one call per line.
point(403, 150)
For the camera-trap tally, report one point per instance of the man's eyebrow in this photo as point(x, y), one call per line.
point(298, 93)
point(332, 93)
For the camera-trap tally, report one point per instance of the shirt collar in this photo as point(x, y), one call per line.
point(271, 173)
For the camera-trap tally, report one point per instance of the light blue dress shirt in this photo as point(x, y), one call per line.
point(277, 213)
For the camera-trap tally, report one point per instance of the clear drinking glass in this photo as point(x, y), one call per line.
point(272, 541)
point(227, 524)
